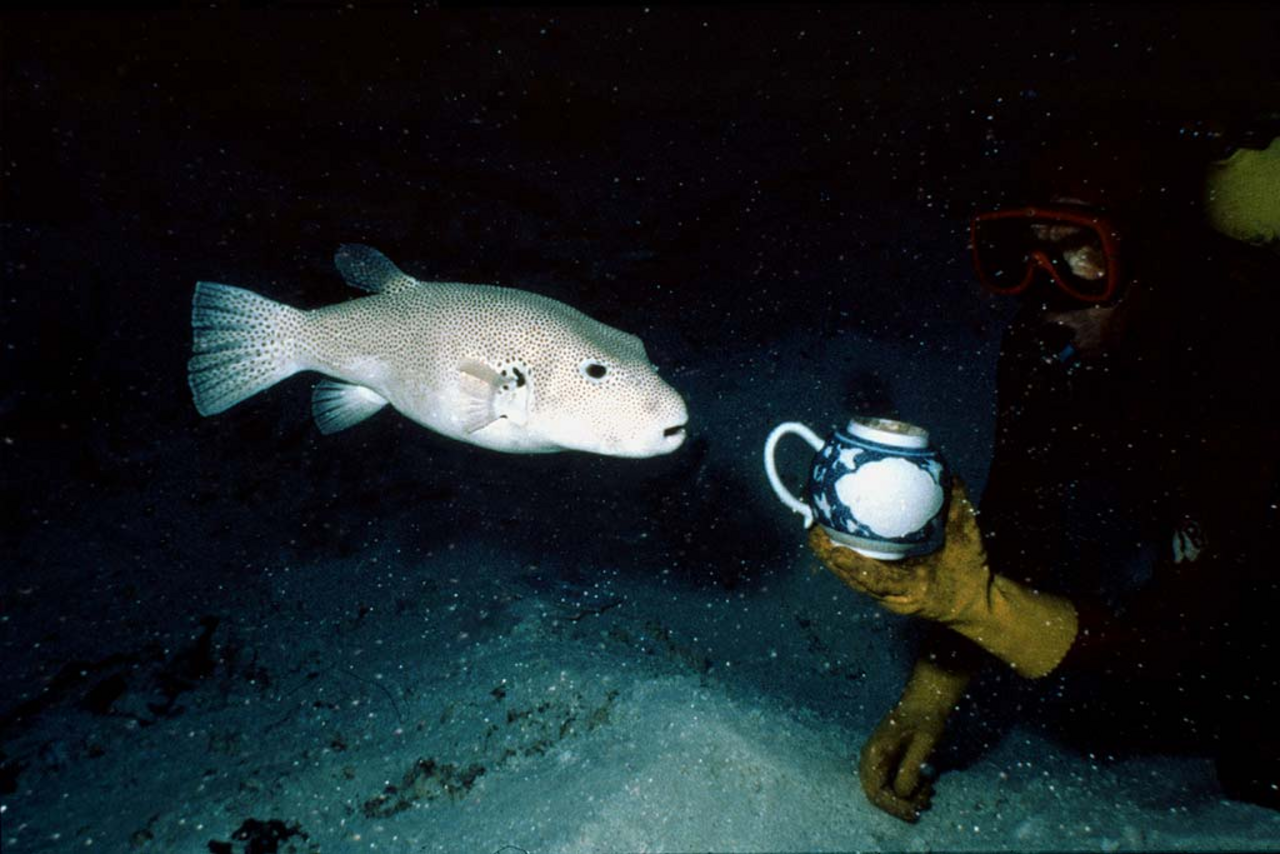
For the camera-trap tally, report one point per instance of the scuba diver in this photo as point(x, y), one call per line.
point(1128, 528)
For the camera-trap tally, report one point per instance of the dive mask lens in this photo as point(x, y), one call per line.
point(1002, 250)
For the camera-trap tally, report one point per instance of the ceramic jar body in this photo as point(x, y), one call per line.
point(875, 486)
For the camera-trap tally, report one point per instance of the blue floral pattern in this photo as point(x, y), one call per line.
point(843, 455)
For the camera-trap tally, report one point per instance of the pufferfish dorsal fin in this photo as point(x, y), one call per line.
point(368, 269)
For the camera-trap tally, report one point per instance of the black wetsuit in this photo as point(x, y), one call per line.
point(1143, 485)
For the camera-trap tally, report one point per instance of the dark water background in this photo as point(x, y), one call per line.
point(715, 180)
point(697, 176)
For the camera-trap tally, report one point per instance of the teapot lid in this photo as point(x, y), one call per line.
point(887, 431)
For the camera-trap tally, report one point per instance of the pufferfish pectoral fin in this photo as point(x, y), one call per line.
point(479, 385)
point(487, 396)
point(337, 406)
point(368, 269)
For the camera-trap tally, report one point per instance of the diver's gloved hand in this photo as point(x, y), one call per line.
point(1029, 630)
point(893, 757)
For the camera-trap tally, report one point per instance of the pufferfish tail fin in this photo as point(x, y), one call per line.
point(242, 343)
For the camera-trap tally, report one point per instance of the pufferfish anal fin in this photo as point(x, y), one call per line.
point(488, 395)
point(337, 406)
point(368, 269)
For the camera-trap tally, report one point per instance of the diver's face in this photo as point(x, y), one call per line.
point(1092, 329)
point(1077, 247)
point(1061, 258)
point(1091, 326)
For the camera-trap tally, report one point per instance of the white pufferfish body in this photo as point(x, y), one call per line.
point(496, 367)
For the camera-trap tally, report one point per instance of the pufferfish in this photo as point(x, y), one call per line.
point(497, 367)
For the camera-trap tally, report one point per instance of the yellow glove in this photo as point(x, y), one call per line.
point(1029, 630)
point(891, 760)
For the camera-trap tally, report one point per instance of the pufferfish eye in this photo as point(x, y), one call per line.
point(593, 369)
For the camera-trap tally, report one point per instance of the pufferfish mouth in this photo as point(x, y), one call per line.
point(673, 437)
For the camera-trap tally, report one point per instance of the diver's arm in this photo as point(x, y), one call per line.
point(1029, 630)
point(891, 763)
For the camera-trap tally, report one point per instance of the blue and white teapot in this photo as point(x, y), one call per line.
point(875, 487)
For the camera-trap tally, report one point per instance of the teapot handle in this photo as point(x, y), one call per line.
point(771, 467)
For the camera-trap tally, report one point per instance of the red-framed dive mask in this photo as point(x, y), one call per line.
point(1078, 249)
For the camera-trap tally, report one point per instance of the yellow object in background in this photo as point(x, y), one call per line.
point(1242, 194)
